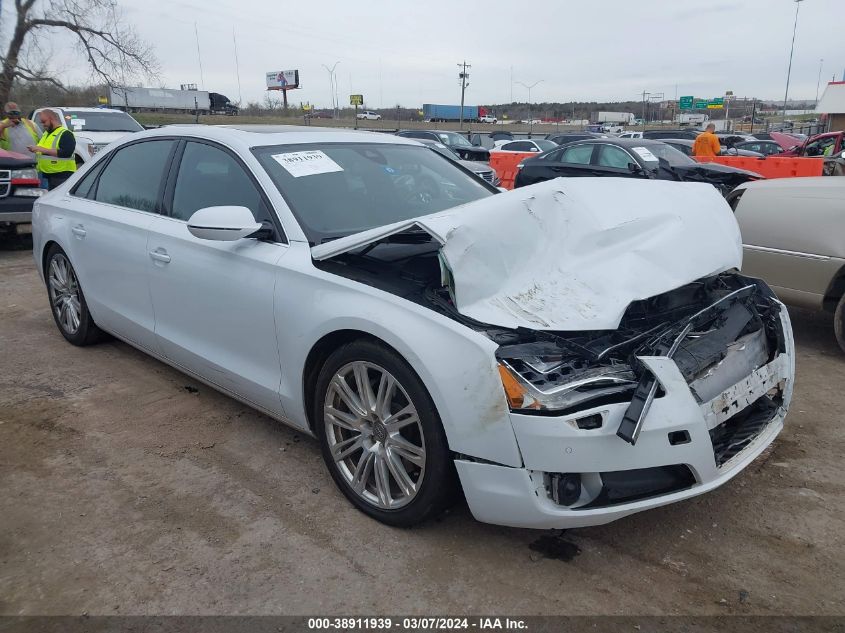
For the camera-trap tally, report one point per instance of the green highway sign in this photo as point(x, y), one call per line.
point(685, 103)
point(716, 104)
point(700, 104)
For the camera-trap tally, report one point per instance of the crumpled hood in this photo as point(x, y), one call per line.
point(572, 254)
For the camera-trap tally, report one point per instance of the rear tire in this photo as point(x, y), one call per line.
point(67, 302)
point(839, 322)
point(387, 450)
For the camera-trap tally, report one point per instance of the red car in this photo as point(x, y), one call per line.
point(829, 144)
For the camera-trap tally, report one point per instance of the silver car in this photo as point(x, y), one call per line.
point(793, 235)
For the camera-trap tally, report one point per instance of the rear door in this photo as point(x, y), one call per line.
point(109, 213)
point(214, 300)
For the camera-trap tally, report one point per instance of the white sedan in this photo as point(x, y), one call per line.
point(570, 352)
point(523, 145)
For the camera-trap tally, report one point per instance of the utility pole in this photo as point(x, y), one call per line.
point(332, 87)
point(819, 81)
point(463, 76)
point(791, 50)
point(530, 119)
point(237, 66)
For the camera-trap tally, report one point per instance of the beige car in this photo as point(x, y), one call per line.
point(793, 233)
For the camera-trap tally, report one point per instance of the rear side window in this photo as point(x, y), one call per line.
point(578, 154)
point(133, 176)
point(518, 146)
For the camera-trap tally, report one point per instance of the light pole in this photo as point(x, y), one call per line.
point(791, 50)
point(530, 119)
point(463, 76)
point(819, 80)
point(332, 86)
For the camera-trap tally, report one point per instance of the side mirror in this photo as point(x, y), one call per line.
point(222, 224)
point(534, 149)
point(634, 168)
point(842, 155)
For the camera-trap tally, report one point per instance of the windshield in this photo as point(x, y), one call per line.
point(651, 154)
point(453, 138)
point(101, 121)
point(340, 189)
point(545, 146)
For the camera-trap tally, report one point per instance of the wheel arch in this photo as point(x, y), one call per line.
point(46, 250)
point(835, 291)
point(318, 355)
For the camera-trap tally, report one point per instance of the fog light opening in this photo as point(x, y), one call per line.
point(566, 488)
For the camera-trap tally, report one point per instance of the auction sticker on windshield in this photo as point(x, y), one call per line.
point(645, 154)
point(307, 163)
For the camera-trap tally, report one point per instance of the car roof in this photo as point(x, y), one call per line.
point(247, 136)
point(622, 142)
point(681, 141)
point(814, 182)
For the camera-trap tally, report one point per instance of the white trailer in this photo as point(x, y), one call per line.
point(161, 99)
point(618, 118)
point(692, 119)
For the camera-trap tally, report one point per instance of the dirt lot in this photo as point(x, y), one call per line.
point(126, 488)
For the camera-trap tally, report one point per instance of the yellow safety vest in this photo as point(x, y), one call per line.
point(54, 164)
point(4, 137)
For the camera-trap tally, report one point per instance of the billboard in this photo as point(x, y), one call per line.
point(283, 80)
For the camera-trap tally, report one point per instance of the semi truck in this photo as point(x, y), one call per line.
point(616, 118)
point(168, 100)
point(438, 112)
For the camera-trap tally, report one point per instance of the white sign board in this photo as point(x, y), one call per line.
point(283, 79)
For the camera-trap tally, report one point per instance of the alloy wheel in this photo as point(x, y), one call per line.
point(374, 435)
point(64, 294)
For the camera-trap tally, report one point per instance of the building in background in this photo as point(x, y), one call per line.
point(832, 104)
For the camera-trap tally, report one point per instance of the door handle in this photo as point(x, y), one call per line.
point(160, 255)
point(78, 230)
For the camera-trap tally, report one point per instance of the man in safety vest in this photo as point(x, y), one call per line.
point(17, 133)
point(54, 152)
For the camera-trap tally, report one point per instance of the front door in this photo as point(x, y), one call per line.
point(213, 300)
point(109, 213)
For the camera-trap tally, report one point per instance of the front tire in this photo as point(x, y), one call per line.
point(839, 323)
point(381, 436)
point(67, 302)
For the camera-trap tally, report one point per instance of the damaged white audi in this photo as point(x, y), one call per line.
point(564, 354)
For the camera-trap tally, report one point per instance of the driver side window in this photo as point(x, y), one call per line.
point(610, 156)
point(211, 177)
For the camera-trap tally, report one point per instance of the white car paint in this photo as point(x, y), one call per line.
point(568, 254)
point(244, 315)
point(502, 145)
point(368, 116)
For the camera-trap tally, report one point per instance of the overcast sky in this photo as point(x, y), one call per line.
point(398, 51)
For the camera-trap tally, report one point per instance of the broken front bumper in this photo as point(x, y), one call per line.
point(685, 448)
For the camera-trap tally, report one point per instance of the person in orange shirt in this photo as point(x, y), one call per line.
point(707, 143)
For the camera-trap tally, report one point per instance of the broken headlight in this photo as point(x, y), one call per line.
point(556, 385)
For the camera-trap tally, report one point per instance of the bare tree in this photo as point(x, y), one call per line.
point(113, 50)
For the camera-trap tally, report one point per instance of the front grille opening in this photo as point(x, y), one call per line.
point(625, 486)
point(737, 432)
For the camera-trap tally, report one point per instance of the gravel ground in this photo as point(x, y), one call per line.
point(127, 488)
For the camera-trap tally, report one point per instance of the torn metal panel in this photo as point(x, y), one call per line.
point(572, 255)
point(747, 391)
